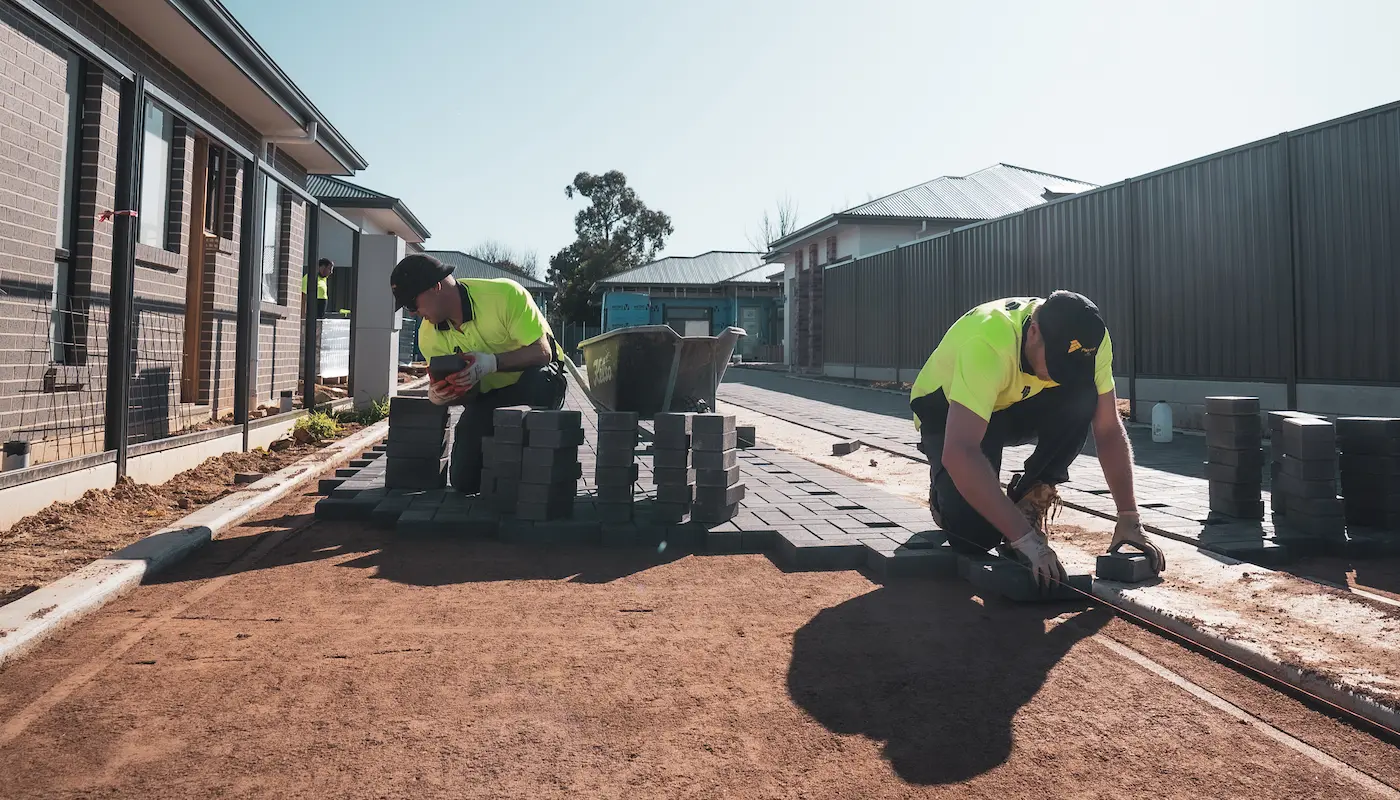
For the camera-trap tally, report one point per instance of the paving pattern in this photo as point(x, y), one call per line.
point(803, 515)
point(1172, 491)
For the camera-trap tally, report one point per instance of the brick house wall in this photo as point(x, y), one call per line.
point(34, 119)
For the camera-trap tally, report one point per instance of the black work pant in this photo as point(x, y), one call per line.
point(538, 387)
point(320, 308)
point(1056, 419)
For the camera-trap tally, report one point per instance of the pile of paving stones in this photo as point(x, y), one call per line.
point(616, 473)
point(715, 456)
point(1370, 470)
point(1235, 456)
point(1306, 488)
point(418, 444)
point(671, 470)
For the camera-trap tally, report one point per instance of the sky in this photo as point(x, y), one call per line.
point(478, 114)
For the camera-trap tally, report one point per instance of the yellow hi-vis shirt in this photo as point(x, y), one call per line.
point(323, 287)
point(504, 318)
point(978, 363)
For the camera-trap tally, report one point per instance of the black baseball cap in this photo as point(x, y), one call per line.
point(1073, 329)
point(413, 276)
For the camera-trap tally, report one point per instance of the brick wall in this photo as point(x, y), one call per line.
point(279, 339)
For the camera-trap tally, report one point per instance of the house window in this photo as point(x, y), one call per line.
point(214, 192)
point(271, 242)
point(830, 249)
point(61, 329)
point(154, 213)
point(798, 261)
point(812, 255)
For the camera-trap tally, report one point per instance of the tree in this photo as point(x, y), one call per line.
point(615, 232)
point(524, 263)
point(775, 226)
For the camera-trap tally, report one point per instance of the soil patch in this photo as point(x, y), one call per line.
point(51, 543)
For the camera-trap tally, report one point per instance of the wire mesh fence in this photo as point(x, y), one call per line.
point(63, 395)
point(158, 365)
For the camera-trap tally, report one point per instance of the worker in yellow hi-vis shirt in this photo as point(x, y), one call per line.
point(324, 268)
point(1011, 372)
point(511, 355)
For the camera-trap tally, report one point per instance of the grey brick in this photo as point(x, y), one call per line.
point(1233, 441)
point(1368, 427)
point(1369, 484)
point(713, 460)
point(617, 440)
point(717, 477)
point(845, 448)
point(555, 439)
point(540, 493)
point(416, 412)
point(325, 485)
point(668, 458)
point(671, 441)
point(714, 441)
point(617, 421)
point(720, 495)
point(1276, 419)
point(1313, 507)
point(616, 476)
point(615, 512)
point(1233, 491)
point(1231, 426)
point(1309, 438)
point(706, 424)
point(1375, 446)
point(1240, 509)
point(553, 421)
point(1015, 582)
point(667, 512)
point(620, 535)
point(1252, 458)
point(725, 541)
point(815, 555)
point(670, 424)
point(614, 458)
point(665, 475)
point(1124, 567)
point(404, 473)
point(416, 438)
point(609, 493)
point(902, 562)
point(508, 417)
point(1232, 406)
point(533, 458)
point(1363, 464)
point(683, 493)
point(1224, 473)
point(556, 509)
point(747, 435)
point(1297, 487)
point(1262, 552)
point(508, 436)
point(708, 513)
point(1308, 470)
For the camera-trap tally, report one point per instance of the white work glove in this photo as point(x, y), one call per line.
point(479, 365)
point(1129, 530)
point(440, 393)
point(1045, 565)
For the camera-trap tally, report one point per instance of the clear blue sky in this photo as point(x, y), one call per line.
point(477, 114)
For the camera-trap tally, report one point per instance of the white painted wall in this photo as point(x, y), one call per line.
point(875, 238)
point(376, 324)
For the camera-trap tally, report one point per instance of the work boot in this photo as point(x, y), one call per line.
point(1039, 504)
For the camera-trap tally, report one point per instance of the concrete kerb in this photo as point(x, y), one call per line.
point(33, 618)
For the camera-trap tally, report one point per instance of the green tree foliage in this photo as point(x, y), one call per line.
point(616, 232)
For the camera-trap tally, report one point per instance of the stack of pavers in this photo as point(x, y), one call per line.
point(1276, 420)
point(418, 441)
point(715, 456)
point(616, 471)
point(671, 470)
point(1370, 468)
point(1235, 457)
point(549, 465)
point(1307, 483)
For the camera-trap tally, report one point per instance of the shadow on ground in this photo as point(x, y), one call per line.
point(418, 561)
point(931, 673)
point(1377, 574)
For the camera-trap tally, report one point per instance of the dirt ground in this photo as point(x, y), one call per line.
point(63, 537)
point(319, 660)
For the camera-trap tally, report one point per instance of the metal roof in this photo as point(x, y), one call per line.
point(993, 192)
point(707, 269)
point(465, 266)
point(756, 276)
point(340, 193)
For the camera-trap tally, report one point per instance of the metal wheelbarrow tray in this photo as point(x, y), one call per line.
point(651, 368)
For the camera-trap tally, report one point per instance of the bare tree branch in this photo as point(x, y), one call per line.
point(774, 226)
point(522, 262)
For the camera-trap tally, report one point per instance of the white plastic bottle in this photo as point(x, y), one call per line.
point(1161, 423)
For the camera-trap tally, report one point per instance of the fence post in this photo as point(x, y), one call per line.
point(354, 305)
point(131, 123)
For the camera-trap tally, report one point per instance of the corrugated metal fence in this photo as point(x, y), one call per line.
point(1275, 261)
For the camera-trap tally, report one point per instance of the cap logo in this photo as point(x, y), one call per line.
point(1075, 346)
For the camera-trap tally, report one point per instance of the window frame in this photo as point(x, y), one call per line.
point(271, 245)
point(158, 212)
point(215, 188)
point(62, 344)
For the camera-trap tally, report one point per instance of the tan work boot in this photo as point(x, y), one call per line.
point(1040, 505)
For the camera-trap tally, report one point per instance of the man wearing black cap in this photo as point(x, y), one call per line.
point(512, 358)
point(1010, 372)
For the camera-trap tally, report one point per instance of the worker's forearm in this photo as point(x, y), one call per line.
point(978, 484)
point(531, 355)
point(1116, 458)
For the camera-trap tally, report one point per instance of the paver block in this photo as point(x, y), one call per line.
point(1124, 567)
point(670, 424)
point(714, 441)
point(616, 476)
point(905, 562)
point(717, 477)
point(1368, 427)
point(720, 495)
point(669, 458)
point(566, 420)
point(1239, 509)
point(708, 513)
point(1232, 406)
point(614, 493)
point(712, 459)
point(546, 457)
point(1297, 487)
point(1236, 492)
point(555, 439)
point(725, 541)
point(541, 493)
point(1374, 446)
point(509, 417)
point(1233, 441)
point(614, 458)
point(558, 473)
point(414, 473)
point(707, 424)
point(668, 513)
point(1314, 506)
point(1230, 426)
point(615, 512)
point(1309, 438)
point(683, 493)
point(1250, 458)
point(417, 439)
point(386, 512)
point(671, 441)
point(811, 556)
point(551, 532)
point(671, 475)
point(510, 470)
point(747, 435)
point(1276, 419)
point(1014, 581)
point(1225, 473)
point(416, 412)
point(346, 472)
point(332, 508)
point(1363, 464)
point(624, 534)
point(359, 463)
point(1263, 552)
point(617, 421)
point(1309, 469)
point(512, 436)
point(326, 485)
point(1370, 485)
point(1369, 544)
point(617, 440)
point(759, 541)
point(845, 448)
point(1304, 544)
point(560, 508)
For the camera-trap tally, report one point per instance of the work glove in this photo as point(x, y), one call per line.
point(1045, 565)
point(479, 365)
point(440, 393)
point(1129, 529)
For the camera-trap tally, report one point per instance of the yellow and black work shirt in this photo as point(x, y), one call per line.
point(504, 317)
point(979, 363)
point(323, 287)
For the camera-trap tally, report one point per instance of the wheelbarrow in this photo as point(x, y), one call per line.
point(651, 368)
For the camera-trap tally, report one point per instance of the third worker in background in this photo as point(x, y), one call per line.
point(1011, 372)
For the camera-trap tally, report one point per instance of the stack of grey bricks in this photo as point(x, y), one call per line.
point(1235, 456)
point(616, 472)
point(503, 454)
point(1276, 420)
point(549, 465)
point(715, 456)
point(671, 470)
point(1370, 468)
point(1307, 480)
point(417, 449)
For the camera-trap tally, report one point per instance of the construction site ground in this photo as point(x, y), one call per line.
point(301, 658)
